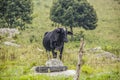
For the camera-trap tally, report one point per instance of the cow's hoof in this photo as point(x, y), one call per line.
point(55, 55)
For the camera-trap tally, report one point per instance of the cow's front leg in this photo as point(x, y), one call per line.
point(61, 50)
point(54, 54)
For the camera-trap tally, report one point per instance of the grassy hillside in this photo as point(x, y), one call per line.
point(15, 63)
point(109, 23)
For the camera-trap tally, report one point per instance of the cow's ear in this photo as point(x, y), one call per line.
point(69, 33)
point(58, 30)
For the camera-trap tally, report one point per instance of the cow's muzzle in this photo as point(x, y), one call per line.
point(65, 40)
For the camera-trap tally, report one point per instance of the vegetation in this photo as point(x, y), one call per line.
point(15, 13)
point(74, 13)
point(16, 62)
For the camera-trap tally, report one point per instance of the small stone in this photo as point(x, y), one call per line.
point(11, 44)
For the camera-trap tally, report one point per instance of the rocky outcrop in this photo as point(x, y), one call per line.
point(62, 73)
point(99, 53)
point(11, 44)
point(50, 69)
point(10, 32)
point(54, 63)
point(54, 67)
point(108, 55)
point(96, 49)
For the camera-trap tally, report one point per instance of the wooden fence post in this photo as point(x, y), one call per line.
point(77, 75)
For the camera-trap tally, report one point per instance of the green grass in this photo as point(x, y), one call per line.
point(15, 63)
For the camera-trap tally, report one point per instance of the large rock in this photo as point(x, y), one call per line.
point(44, 69)
point(54, 63)
point(62, 73)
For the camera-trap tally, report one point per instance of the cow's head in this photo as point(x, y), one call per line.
point(63, 34)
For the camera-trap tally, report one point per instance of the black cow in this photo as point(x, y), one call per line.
point(54, 40)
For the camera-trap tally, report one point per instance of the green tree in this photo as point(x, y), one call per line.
point(74, 13)
point(15, 13)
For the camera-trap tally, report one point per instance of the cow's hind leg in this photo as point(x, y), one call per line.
point(60, 56)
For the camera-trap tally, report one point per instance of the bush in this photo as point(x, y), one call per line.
point(113, 49)
point(87, 69)
point(105, 76)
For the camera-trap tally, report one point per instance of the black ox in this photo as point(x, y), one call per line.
point(54, 40)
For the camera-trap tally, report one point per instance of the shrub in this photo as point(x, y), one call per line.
point(87, 69)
